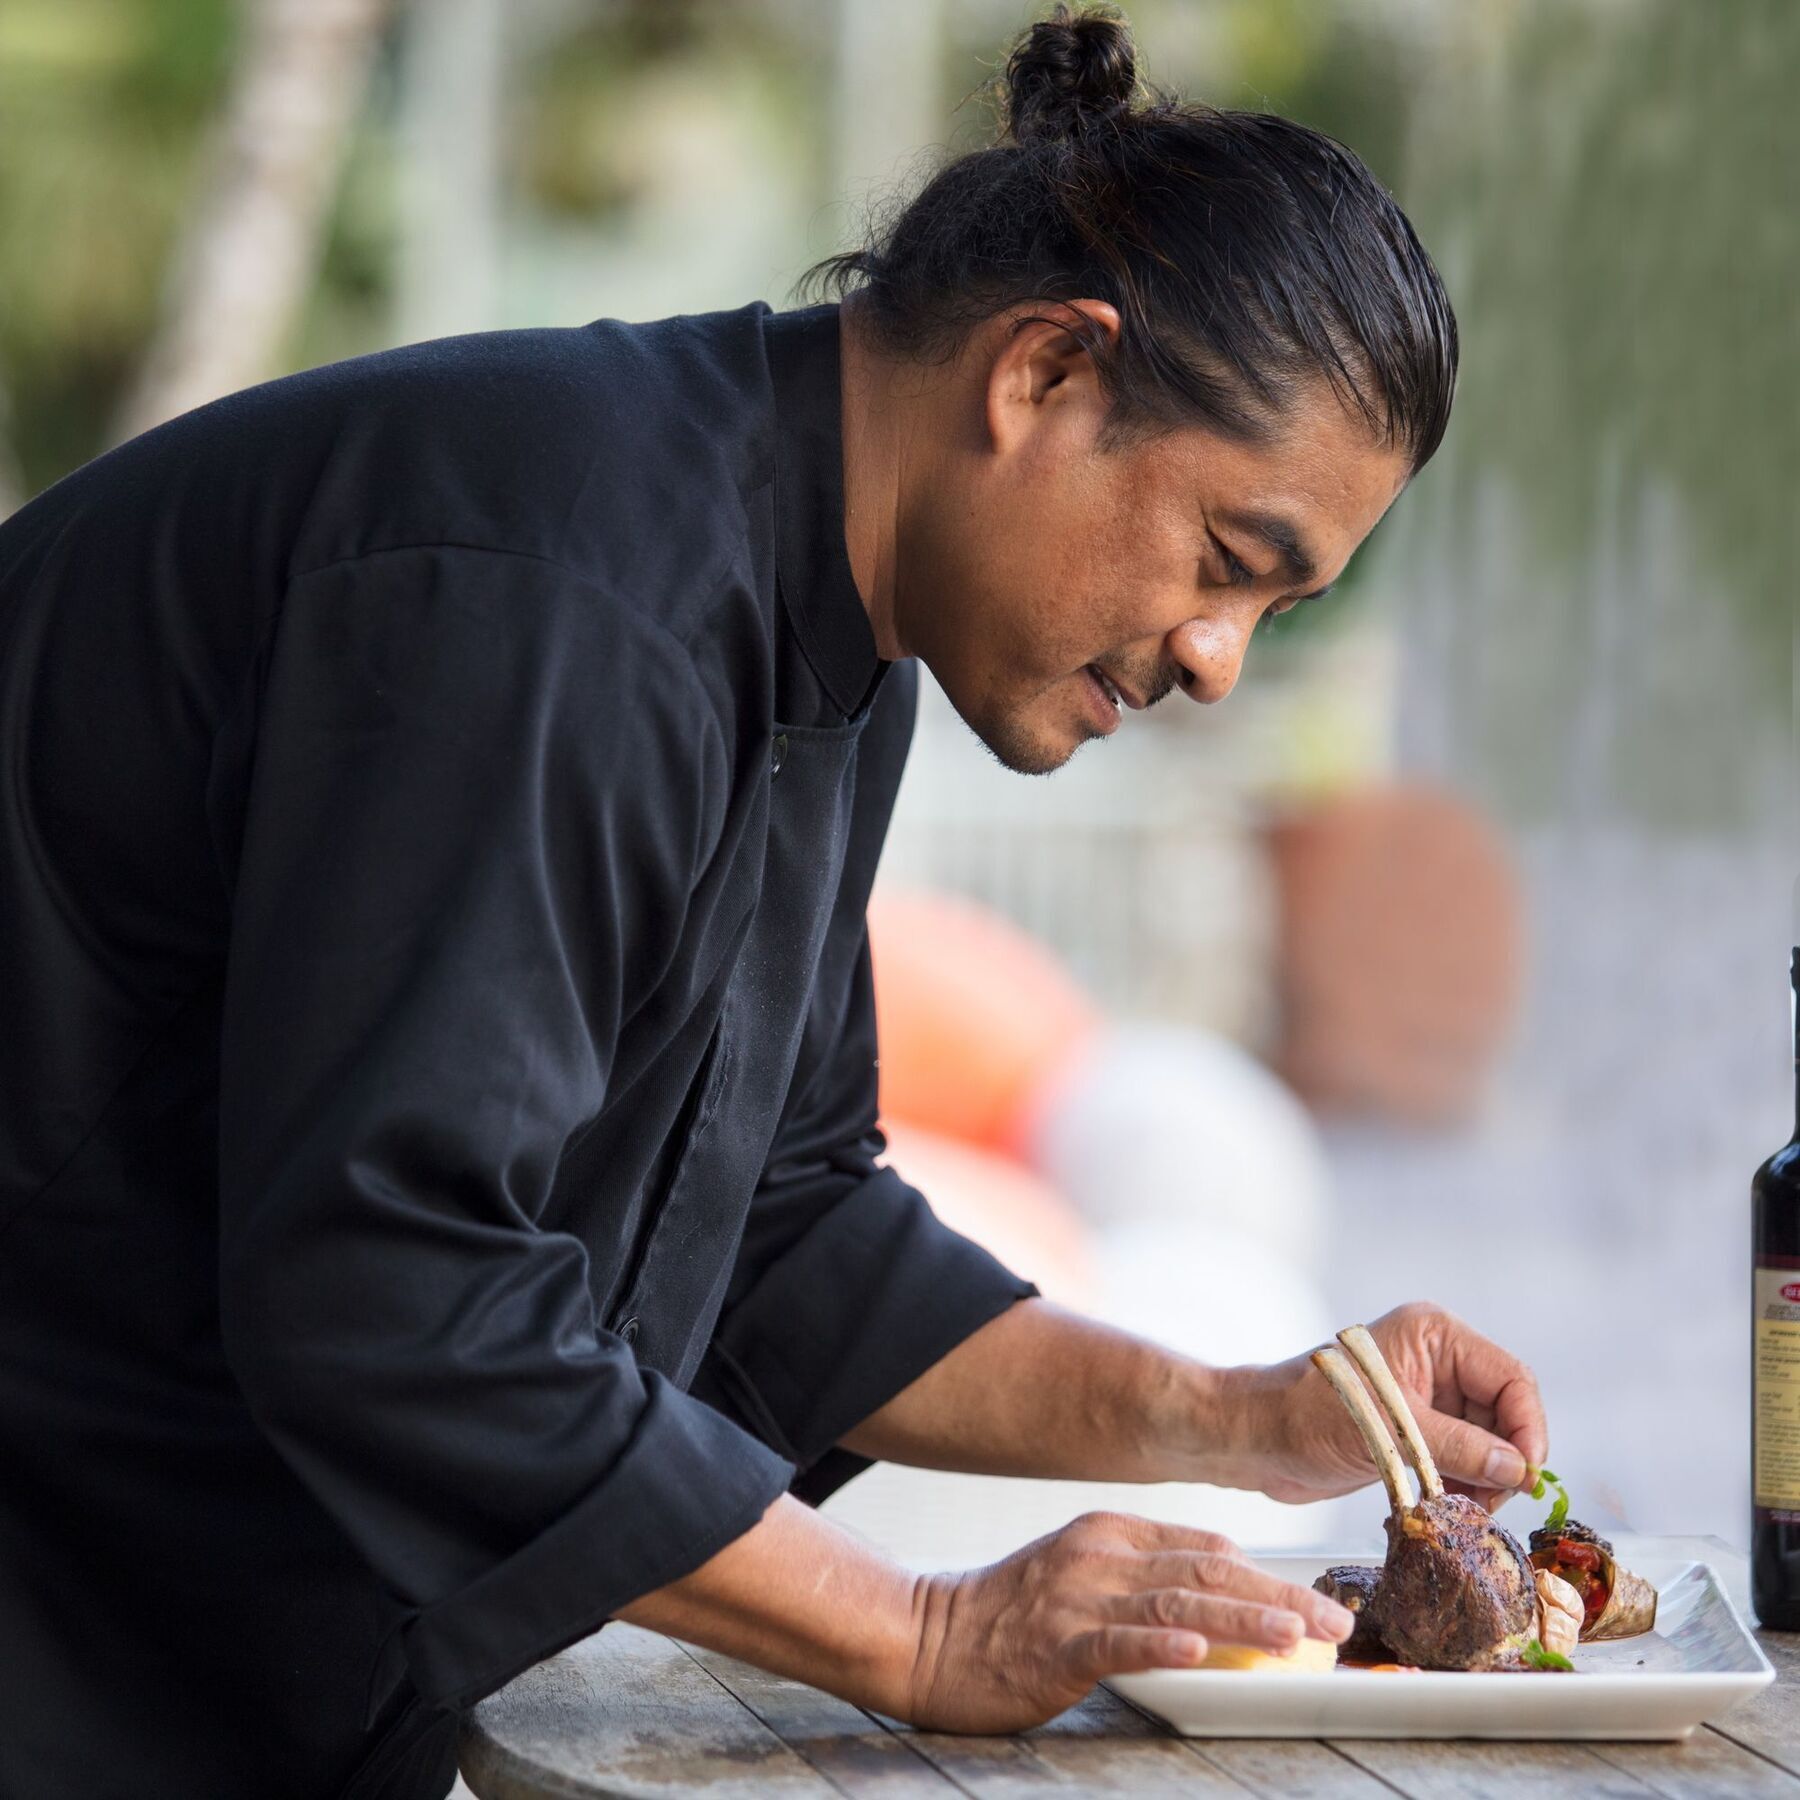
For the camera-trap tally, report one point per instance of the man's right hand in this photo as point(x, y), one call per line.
point(991, 1650)
point(1009, 1646)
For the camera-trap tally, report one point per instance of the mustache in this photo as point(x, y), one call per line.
point(1155, 684)
point(1166, 682)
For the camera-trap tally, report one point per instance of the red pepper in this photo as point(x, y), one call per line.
point(1578, 1556)
point(1593, 1602)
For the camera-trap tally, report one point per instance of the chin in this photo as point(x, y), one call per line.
point(1027, 749)
point(1029, 739)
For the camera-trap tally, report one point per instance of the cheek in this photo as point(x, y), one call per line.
point(1021, 581)
point(1012, 586)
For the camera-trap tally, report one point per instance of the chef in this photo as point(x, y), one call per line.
point(442, 1203)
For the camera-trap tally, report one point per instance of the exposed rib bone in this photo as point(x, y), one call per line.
point(1335, 1367)
point(1356, 1339)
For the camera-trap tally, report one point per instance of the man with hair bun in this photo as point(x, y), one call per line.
point(437, 1116)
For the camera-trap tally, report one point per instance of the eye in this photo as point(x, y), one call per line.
point(1238, 573)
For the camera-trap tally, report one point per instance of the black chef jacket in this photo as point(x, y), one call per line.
point(439, 795)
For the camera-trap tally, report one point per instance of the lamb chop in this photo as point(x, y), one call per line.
point(1352, 1586)
point(1456, 1590)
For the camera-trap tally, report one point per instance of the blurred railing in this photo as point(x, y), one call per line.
point(1141, 862)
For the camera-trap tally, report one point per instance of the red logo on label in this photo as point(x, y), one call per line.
point(1791, 1291)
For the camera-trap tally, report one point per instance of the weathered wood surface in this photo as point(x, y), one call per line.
point(631, 1715)
point(1769, 1723)
point(626, 1712)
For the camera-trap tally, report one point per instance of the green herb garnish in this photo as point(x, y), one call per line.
point(1559, 1511)
point(1537, 1657)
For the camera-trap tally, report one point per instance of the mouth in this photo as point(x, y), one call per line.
point(1109, 699)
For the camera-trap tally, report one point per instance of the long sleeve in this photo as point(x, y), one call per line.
point(847, 1286)
point(479, 801)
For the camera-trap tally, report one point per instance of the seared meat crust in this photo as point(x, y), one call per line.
point(1352, 1586)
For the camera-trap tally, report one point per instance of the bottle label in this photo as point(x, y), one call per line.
point(1776, 1303)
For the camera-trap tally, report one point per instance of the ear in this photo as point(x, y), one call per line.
point(1039, 361)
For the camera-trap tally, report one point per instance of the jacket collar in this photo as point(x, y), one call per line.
point(812, 565)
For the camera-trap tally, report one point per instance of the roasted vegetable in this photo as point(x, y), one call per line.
point(1614, 1602)
point(1559, 1613)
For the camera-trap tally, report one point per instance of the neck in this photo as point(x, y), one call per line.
point(876, 419)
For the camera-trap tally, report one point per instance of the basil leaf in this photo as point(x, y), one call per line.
point(1559, 1511)
point(1537, 1657)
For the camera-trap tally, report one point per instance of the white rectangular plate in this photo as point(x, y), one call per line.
point(1697, 1664)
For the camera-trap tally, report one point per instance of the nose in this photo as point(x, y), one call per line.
point(1209, 654)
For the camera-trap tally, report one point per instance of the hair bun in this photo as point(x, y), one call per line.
point(1068, 71)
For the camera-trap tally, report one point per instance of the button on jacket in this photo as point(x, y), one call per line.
point(439, 795)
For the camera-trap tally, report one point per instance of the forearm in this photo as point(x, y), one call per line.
point(798, 1595)
point(1044, 1392)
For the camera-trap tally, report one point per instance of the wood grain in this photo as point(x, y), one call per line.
point(846, 1746)
point(626, 1714)
point(1492, 1771)
point(1101, 1746)
point(1706, 1767)
point(1290, 1769)
point(1769, 1723)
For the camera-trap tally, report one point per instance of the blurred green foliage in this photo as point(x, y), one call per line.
point(575, 103)
point(106, 110)
point(1620, 202)
point(106, 106)
point(350, 308)
point(1611, 193)
point(102, 108)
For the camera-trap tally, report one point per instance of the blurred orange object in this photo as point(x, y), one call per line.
point(1400, 953)
point(974, 1015)
point(1001, 1205)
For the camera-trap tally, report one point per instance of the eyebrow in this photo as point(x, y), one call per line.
point(1283, 537)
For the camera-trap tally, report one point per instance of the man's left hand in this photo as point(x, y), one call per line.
point(1476, 1404)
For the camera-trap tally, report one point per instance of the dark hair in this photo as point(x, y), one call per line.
point(1244, 253)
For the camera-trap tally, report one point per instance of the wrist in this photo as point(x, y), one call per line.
point(932, 1598)
point(894, 1635)
point(1234, 1424)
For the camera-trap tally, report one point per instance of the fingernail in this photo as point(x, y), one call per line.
point(1505, 1467)
point(1338, 1620)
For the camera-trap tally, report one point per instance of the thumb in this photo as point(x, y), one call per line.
point(1466, 1453)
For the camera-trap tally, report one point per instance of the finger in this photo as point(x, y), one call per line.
point(1471, 1457)
point(1494, 1382)
point(1155, 1535)
point(1519, 1418)
point(1126, 1649)
point(1322, 1616)
point(1219, 1621)
point(1490, 1498)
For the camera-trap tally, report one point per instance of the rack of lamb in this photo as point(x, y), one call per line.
point(1456, 1591)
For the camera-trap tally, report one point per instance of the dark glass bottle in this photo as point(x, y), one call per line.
point(1775, 1375)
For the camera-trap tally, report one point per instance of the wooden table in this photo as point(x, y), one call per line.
point(628, 1713)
